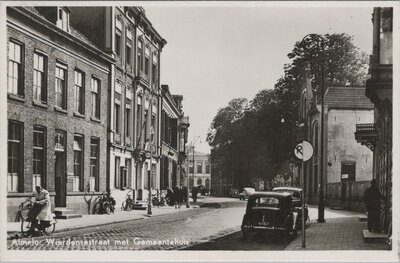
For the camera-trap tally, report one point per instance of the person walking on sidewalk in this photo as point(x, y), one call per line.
point(372, 200)
point(177, 197)
point(194, 194)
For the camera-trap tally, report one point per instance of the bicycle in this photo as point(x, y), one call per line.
point(28, 225)
point(128, 204)
point(104, 205)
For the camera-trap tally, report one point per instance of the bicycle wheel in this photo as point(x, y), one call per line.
point(50, 230)
point(107, 208)
point(26, 227)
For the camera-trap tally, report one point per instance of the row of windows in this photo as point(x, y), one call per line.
point(199, 167)
point(40, 85)
point(39, 160)
point(128, 51)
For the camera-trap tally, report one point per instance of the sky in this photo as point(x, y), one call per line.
point(216, 54)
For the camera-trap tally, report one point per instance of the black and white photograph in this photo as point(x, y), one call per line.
point(249, 130)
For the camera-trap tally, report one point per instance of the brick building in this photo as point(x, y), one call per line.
point(58, 85)
point(377, 134)
point(126, 34)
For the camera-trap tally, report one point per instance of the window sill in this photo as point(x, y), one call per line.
point(40, 104)
point(58, 109)
point(16, 97)
point(95, 119)
point(26, 194)
point(79, 115)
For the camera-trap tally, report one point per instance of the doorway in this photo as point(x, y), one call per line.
point(59, 170)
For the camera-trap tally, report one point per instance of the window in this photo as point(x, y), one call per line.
point(199, 181)
point(147, 61)
point(117, 117)
point(61, 91)
point(94, 164)
point(200, 167)
point(15, 157)
point(139, 54)
point(63, 19)
point(128, 118)
point(128, 52)
point(117, 172)
point(78, 162)
point(15, 72)
point(39, 156)
point(145, 124)
point(208, 168)
point(153, 123)
point(39, 78)
point(118, 33)
point(79, 92)
point(139, 118)
point(95, 87)
point(154, 69)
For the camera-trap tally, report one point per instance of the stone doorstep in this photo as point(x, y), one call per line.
point(371, 236)
point(64, 213)
point(363, 218)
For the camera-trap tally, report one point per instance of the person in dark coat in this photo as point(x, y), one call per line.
point(170, 197)
point(372, 200)
point(194, 194)
point(176, 197)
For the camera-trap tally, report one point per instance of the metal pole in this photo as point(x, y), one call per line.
point(149, 177)
point(303, 223)
point(321, 204)
point(193, 168)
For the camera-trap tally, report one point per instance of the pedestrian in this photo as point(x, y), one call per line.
point(372, 200)
point(170, 197)
point(176, 196)
point(194, 194)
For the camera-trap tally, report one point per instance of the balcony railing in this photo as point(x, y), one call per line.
point(366, 134)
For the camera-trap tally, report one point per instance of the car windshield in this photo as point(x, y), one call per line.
point(266, 201)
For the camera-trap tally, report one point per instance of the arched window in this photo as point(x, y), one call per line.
point(208, 183)
point(199, 181)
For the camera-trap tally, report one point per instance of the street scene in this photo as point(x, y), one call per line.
point(199, 128)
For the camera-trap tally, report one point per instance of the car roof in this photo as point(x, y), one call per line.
point(287, 188)
point(270, 193)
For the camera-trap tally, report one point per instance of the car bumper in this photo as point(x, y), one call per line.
point(266, 228)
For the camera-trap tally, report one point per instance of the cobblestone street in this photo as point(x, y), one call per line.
point(171, 231)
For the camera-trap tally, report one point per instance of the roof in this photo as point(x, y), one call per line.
point(72, 30)
point(268, 193)
point(347, 97)
point(287, 188)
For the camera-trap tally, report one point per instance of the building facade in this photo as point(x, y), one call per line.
point(199, 170)
point(57, 109)
point(347, 167)
point(377, 135)
point(174, 133)
point(135, 95)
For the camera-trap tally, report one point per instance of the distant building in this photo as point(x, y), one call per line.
point(377, 134)
point(199, 169)
point(346, 166)
point(58, 84)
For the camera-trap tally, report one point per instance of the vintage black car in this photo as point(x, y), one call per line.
point(296, 202)
point(269, 212)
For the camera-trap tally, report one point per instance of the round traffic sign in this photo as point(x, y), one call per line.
point(304, 151)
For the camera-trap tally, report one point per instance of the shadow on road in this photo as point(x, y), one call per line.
point(234, 241)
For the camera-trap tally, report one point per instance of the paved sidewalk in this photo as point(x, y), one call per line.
point(342, 231)
point(14, 228)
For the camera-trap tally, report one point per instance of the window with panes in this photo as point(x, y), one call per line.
point(79, 92)
point(118, 34)
point(94, 164)
point(61, 87)
point(39, 77)
point(63, 19)
point(140, 54)
point(78, 162)
point(15, 69)
point(39, 156)
point(128, 117)
point(139, 118)
point(199, 167)
point(154, 69)
point(128, 52)
point(146, 60)
point(15, 156)
point(95, 87)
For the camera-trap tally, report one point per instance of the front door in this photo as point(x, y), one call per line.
point(59, 170)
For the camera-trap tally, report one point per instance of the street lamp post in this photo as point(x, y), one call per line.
point(149, 212)
point(321, 203)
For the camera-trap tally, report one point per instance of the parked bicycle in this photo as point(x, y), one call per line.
point(158, 198)
point(129, 202)
point(105, 204)
point(33, 226)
